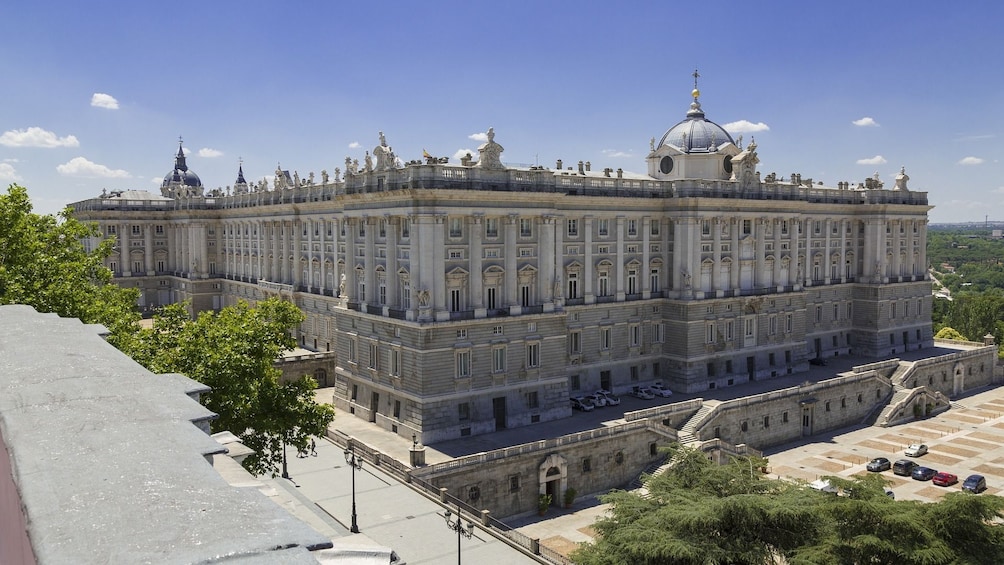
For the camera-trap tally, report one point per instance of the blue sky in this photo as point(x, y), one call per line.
point(98, 93)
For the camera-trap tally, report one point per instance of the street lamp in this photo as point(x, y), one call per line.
point(356, 463)
point(285, 471)
point(458, 527)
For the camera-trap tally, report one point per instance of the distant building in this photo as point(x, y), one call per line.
point(458, 299)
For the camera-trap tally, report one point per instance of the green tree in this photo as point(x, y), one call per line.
point(698, 512)
point(949, 333)
point(233, 352)
point(44, 264)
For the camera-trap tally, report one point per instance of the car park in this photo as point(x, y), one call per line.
point(944, 479)
point(974, 484)
point(879, 464)
point(904, 467)
point(598, 400)
point(923, 473)
point(915, 450)
point(659, 390)
point(642, 392)
point(611, 398)
point(580, 403)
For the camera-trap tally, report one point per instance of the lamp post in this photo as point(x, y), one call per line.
point(285, 472)
point(356, 463)
point(457, 526)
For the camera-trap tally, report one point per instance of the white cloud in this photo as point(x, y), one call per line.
point(978, 137)
point(743, 126)
point(106, 101)
point(483, 136)
point(81, 167)
point(36, 137)
point(865, 122)
point(615, 153)
point(999, 190)
point(463, 153)
point(354, 145)
point(210, 153)
point(8, 174)
point(876, 160)
point(156, 181)
point(970, 161)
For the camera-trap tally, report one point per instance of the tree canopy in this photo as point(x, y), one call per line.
point(699, 512)
point(44, 263)
point(233, 352)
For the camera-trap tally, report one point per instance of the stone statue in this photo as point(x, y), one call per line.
point(296, 179)
point(324, 176)
point(369, 162)
point(338, 174)
point(280, 178)
point(423, 297)
point(687, 279)
point(348, 165)
point(490, 153)
point(341, 285)
point(383, 140)
point(310, 179)
point(557, 286)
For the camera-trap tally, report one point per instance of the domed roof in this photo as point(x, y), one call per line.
point(180, 175)
point(696, 134)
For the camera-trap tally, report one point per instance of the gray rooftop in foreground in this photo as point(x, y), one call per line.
point(110, 463)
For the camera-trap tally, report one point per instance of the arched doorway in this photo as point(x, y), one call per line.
point(958, 378)
point(553, 477)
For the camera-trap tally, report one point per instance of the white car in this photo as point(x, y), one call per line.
point(659, 390)
point(915, 450)
point(643, 392)
point(610, 397)
point(597, 399)
point(581, 403)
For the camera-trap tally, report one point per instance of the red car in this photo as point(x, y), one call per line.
point(945, 479)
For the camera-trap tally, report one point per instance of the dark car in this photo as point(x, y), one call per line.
point(879, 464)
point(923, 473)
point(904, 467)
point(817, 361)
point(974, 484)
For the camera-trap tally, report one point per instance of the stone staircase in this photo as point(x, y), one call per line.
point(688, 432)
point(899, 395)
point(654, 469)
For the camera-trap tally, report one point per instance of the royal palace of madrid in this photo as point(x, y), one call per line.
point(456, 299)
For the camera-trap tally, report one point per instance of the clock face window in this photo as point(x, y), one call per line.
point(666, 165)
point(728, 164)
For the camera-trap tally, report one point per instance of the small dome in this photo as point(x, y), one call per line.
point(696, 134)
point(187, 178)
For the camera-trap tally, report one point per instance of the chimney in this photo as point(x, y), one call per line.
point(620, 173)
point(581, 172)
point(559, 164)
point(589, 166)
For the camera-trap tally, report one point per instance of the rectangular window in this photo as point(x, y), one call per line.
point(574, 382)
point(632, 227)
point(456, 254)
point(787, 323)
point(498, 359)
point(575, 343)
point(654, 227)
point(491, 227)
point(750, 327)
point(772, 325)
point(533, 355)
point(532, 401)
point(462, 334)
point(531, 327)
point(634, 331)
point(514, 483)
point(159, 230)
point(604, 338)
point(709, 333)
point(660, 332)
point(374, 356)
point(730, 330)
point(497, 330)
point(382, 227)
point(397, 409)
point(137, 266)
point(573, 228)
point(352, 350)
point(135, 230)
point(395, 362)
point(747, 227)
point(603, 227)
point(456, 227)
point(464, 411)
point(110, 230)
point(355, 392)
point(525, 227)
point(463, 364)
point(405, 228)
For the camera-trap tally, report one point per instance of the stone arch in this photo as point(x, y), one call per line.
point(553, 477)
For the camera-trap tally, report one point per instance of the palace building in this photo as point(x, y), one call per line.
point(458, 299)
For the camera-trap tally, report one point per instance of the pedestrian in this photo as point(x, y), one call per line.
point(313, 447)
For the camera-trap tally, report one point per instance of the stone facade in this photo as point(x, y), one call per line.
point(461, 299)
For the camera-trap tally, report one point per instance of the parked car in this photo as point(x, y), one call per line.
point(817, 361)
point(879, 464)
point(904, 467)
point(597, 399)
point(642, 392)
point(974, 484)
point(823, 485)
point(581, 403)
point(923, 473)
point(659, 390)
point(611, 398)
point(915, 450)
point(943, 479)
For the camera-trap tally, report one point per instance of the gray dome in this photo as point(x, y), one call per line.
point(181, 175)
point(696, 134)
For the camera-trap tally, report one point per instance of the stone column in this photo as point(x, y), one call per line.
point(843, 250)
point(827, 228)
point(776, 275)
point(587, 267)
point(392, 280)
point(896, 267)
point(148, 248)
point(679, 250)
point(760, 264)
point(476, 285)
point(124, 257)
point(619, 260)
point(297, 253)
point(716, 249)
point(646, 232)
point(735, 226)
point(369, 265)
point(545, 259)
point(511, 251)
point(350, 260)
